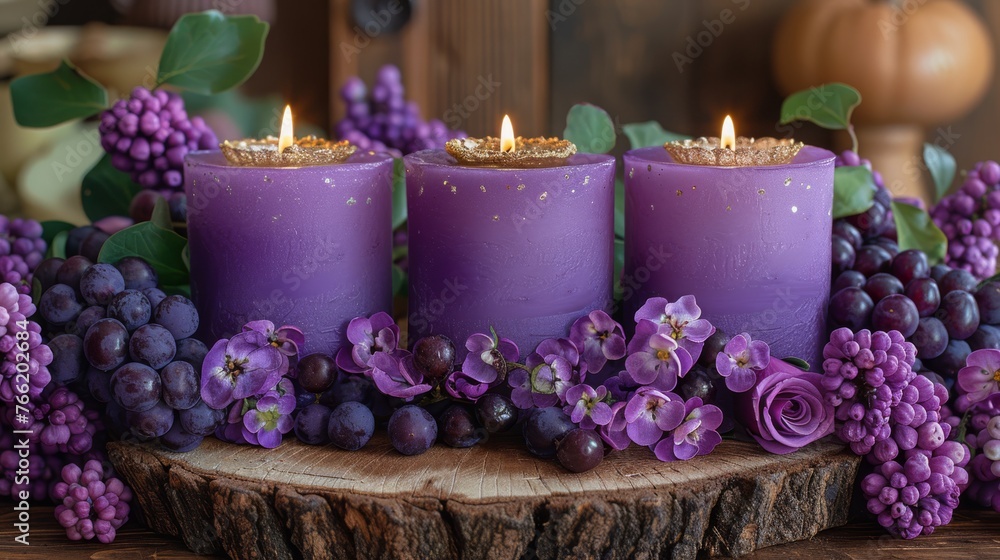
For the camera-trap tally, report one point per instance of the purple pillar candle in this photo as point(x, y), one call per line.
point(751, 243)
point(309, 246)
point(526, 251)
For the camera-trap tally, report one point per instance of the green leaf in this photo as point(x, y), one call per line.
point(619, 267)
point(161, 214)
point(829, 106)
point(853, 190)
point(186, 256)
point(398, 193)
point(590, 128)
point(649, 133)
point(107, 191)
point(56, 97)
point(52, 227)
point(162, 248)
point(398, 280)
point(797, 362)
point(619, 208)
point(210, 52)
point(942, 166)
point(916, 230)
point(57, 249)
point(36, 290)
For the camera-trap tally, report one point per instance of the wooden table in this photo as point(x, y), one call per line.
point(972, 535)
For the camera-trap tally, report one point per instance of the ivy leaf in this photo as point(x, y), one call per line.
point(829, 106)
point(590, 128)
point(797, 362)
point(57, 249)
point(619, 208)
point(162, 248)
point(56, 97)
point(649, 133)
point(186, 256)
point(52, 227)
point(916, 230)
point(853, 190)
point(942, 166)
point(107, 191)
point(210, 52)
point(398, 193)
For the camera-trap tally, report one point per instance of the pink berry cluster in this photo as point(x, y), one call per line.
point(93, 504)
point(970, 218)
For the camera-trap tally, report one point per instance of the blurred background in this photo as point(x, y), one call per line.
point(685, 64)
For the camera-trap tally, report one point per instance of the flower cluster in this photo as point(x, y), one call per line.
point(246, 375)
point(374, 353)
point(970, 219)
point(91, 504)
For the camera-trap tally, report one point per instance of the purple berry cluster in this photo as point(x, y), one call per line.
point(59, 422)
point(382, 119)
point(92, 503)
point(21, 249)
point(148, 135)
point(970, 218)
point(22, 348)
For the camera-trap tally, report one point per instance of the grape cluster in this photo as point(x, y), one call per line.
point(141, 207)
point(970, 218)
point(92, 504)
point(382, 119)
point(23, 351)
point(21, 249)
point(148, 135)
point(130, 345)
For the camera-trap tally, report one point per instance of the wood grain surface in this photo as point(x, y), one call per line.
point(489, 501)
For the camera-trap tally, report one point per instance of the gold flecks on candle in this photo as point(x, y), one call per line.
point(795, 209)
point(651, 207)
point(421, 191)
point(543, 196)
point(747, 152)
point(445, 182)
point(508, 187)
point(728, 208)
point(216, 178)
point(268, 179)
point(679, 192)
point(194, 182)
point(229, 189)
point(761, 191)
point(788, 181)
point(572, 191)
point(369, 201)
point(482, 188)
point(808, 187)
point(694, 188)
point(529, 152)
point(351, 201)
point(276, 218)
point(496, 217)
point(454, 189)
point(586, 179)
point(631, 173)
point(566, 176)
point(520, 187)
point(304, 151)
point(327, 180)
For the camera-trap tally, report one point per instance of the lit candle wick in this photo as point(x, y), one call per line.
point(286, 138)
point(507, 141)
point(728, 138)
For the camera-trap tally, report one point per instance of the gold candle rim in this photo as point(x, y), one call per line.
point(748, 152)
point(305, 151)
point(529, 152)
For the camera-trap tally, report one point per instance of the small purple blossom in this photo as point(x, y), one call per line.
point(696, 435)
point(287, 339)
point(462, 387)
point(269, 419)
point(395, 375)
point(681, 320)
point(740, 361)
point(586, 406)
point(980, 377)
point(656, 359)
point(543, 384)
point(614, 433)
point(650, 413)
point(488, 357)
point(599, 338)
point(367, 336)
point(239, 367)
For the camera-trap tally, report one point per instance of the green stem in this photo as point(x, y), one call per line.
point(854, 137)
point(962, 429)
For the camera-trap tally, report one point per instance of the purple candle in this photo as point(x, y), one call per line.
point(750, 241)
point(308, 244)
point(526, 250)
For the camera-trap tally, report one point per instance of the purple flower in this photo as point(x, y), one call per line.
point(287, 339)
point(488, 357)
point(786, 409)
point(681, 320)
point(614, 433)
point(656, 359)
point(696, 435)
point(463, 387)
point(544, 384)
point(586, 407)
point(650, 413)
point(740, 361)
point(269, 419)
point(242, 366)
point(367, 336)
point(395, 375)
point(599, 338)
point(981, 375)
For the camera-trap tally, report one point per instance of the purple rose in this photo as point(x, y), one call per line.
point(785, 410)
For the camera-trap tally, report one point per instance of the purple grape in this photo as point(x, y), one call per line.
point(352, 424)
point(46, 271)
point(910, 264)
point(154, 295)
point(852, 308)
point(192, 351)
point(888, 244)
point(930, 338)
point(952, 360)
point(152, 345)
point(986, 336)
point(177, 202)
point(412, 430)
point(91, 246)
point(137, 273)
point(544, 428)
point(434, 356)
point(106, 344)
point(458, 428)
point(67, 358)
point(59, 305)
point(316, 372)
point(178, 440)
point(100, 283)
point(924, 293)
point(988, 301)
point(870, 222)
point(883, 285)
point(846, 279)
point(179, 315)
point(136, 387)
point(99, 384)
point(348, 388)
point(140, 209)
point(75, 238)
point(939, 270)
point(201, 419)
point(957, 279)
point(496, 413)
point(85, 320)
point(131, 308)
point(713, 345)
point(180, 385)
point(846, 231)
point(959, 313)
point(152, 422)
point(580, 450)
point(872, 259)
point(896, 313)
point(843, 254)
point(312, 424)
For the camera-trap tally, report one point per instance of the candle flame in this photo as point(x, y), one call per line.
point(286, 138)
point(507, 142)
point(728, 138)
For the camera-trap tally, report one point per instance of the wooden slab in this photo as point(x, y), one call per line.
point(490, 501)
